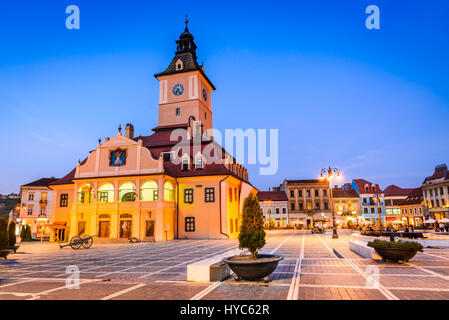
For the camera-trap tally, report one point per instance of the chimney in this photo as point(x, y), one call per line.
point(129, 131)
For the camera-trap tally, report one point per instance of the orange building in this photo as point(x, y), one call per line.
point(174, 184)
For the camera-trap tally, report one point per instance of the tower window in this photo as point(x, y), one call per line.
point(178, 111)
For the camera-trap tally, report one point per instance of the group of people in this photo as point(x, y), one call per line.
point(388, 229)
point(441, 227)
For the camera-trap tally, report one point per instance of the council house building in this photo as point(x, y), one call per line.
point(166, 185)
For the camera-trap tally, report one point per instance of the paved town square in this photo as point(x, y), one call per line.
point(315, 267)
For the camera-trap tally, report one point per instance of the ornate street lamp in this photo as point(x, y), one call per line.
point(378, 210)
point(329, 174)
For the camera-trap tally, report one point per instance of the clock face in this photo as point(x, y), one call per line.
point(178, 89)
point(204, 94)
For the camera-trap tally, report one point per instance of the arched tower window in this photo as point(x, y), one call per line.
point(168, 191)
point(106, 193)
point(149, 191)
point(86, 193)
point(127, 192)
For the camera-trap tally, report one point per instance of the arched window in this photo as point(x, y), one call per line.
point(192, 118)
point(149, 191)
point(86, 193)
point(366, 188)
point(231, 225)
point(106, 193)
point(178, 111)
point(373, 187)
point(168, 191)
point(127, 192)
point(230, 194)
point(235, 194)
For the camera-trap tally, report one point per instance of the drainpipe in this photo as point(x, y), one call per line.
point(219, 188)
point(177, 208)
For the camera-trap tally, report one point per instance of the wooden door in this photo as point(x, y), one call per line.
point(103, 231)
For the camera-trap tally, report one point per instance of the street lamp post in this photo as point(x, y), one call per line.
point(379, 212)
point(330, 172)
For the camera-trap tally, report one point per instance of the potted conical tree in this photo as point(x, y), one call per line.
point(254, 266)
point(4, 251)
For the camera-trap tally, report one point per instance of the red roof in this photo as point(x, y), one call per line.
point(394, 191)
point(440, 172)
point(415, 197)
point(340, 193)
point(67, 179)
point(43, 182)
point(272, 196)
point(361, 183)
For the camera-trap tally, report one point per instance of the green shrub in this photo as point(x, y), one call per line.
point(22, 233)
point(3, 234)
point(252, 234)
point(397, 245)
point(12, 234)
point(25, 233)
point(28, 236)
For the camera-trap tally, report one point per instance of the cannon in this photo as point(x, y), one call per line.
point(77, 242)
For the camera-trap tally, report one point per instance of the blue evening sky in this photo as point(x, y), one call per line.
point(374, 103)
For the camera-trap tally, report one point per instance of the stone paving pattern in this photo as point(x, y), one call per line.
point(315, 267)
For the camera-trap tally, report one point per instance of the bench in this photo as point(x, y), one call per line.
point(363, 250)
point(413, 235)
point(211, 269)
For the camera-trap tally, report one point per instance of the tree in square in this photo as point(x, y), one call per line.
point(252, 234)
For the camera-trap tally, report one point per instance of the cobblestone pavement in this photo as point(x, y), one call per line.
point(315, 267)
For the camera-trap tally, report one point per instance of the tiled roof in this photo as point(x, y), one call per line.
point(340, 193)
point(190, 64)
point(272, 196)
point(43, 182)
point(171, 126)
point(415, 197)
point(67, 179)
point(361, 186)
point(307, 181)
point(394, 191)
point(440, 172)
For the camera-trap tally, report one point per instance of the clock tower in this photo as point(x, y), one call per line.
point(184, 89)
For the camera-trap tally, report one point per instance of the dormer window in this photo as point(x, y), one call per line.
point(366, 188)
point(373, 187)
point(168, 156)
point(179, 65)
point(185, 164)
point(199, 162)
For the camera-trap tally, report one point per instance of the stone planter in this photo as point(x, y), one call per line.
point(14, 248)
point(246, 268)
point(396, 254)
point(4, 253)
